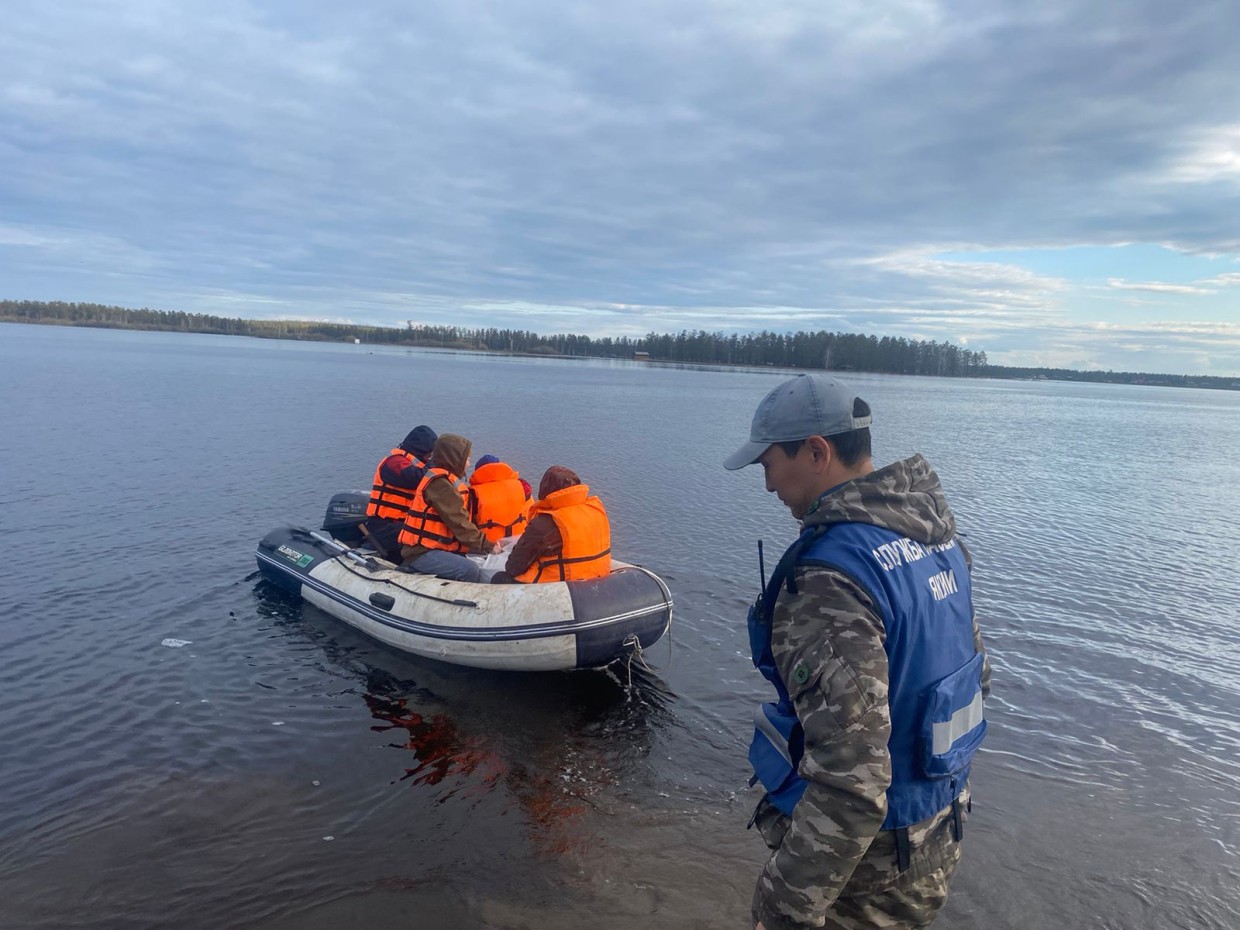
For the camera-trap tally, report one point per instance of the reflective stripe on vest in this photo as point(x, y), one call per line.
point(585, 534)
point(423, 526)
point(777, 737)
point(497, 502)
point(944, 735)
point(923, 596)
point(387, 501)
point(955, 723)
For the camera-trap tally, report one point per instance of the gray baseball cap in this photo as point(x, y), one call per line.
point(804, 406)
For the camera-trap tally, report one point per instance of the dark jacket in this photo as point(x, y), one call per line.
point(397, 471)
point(541, 537)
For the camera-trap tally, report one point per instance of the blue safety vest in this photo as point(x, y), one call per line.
point(923, 596)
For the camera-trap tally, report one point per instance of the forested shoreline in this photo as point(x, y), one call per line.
point(810, 350)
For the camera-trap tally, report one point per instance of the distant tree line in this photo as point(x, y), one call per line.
point(822, 349)
point(1113, 377)
point(98, 315)
point(839, 351)
point(813, 350)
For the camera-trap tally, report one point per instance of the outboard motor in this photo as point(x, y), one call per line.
point(345, 514)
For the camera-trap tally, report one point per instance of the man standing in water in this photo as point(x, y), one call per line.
point(866, 630)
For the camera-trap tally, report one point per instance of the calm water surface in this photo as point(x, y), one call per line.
point(283, 771)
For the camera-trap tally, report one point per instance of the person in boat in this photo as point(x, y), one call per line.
point(568, 538)
point(396, 478)
point(499, 499)
point(867, 631)
point(438, 532)
point(490, 459)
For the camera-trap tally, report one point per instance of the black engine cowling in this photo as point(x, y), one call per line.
point(345, 513)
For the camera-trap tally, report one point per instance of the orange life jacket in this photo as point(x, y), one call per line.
point(586, 533)
point(387, 501)
point(423, 526)
point(498, 504)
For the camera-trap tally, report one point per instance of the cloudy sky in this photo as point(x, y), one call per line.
point(1057, 183)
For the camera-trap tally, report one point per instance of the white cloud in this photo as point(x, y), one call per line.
point(1229, 279)
point(1213, 154)
point(1157, 287)
point(638, 166)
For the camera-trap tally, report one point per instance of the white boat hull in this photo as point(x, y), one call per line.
point(541, 627)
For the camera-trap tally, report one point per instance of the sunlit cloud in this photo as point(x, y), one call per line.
point(1213, 155)
point(615, 170)
point(1231, 279)
point(1157, 287)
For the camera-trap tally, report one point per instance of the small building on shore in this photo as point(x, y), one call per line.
point(641, 356)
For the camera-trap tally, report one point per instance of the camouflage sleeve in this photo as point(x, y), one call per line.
point(828, 644)
point(977, 632)
point(981, 647)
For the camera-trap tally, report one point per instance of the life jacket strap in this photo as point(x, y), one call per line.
point(495, 524)
point(560, 560)
point(785, 571)
point(904, 849)
point(753, 818)
point(957, 820)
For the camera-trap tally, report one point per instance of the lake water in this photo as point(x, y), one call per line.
point(283, 771)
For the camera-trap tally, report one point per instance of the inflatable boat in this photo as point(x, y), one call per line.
point(526, 627)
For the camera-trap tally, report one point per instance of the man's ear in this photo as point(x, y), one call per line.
point(822, 453)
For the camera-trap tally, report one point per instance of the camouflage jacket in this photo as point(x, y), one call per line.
point(832, 627)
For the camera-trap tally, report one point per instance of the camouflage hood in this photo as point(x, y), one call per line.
point(904, 497)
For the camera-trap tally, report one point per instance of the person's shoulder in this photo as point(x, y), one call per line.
point(823, 578)
point(825, 598)
point(435, 481)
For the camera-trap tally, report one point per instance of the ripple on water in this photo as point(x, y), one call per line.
point(149, 785)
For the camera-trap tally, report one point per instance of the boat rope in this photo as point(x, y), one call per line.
point(667, 598)
point(371, 566)
point(455, 602)
point(635, 652)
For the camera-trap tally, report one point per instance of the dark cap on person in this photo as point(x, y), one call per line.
point(804, 406)
point(420, 441)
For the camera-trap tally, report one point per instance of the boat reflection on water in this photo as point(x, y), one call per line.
point(436, 742)
point(465, 766)
point(544, 746)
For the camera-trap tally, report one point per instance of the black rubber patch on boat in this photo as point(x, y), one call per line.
point(622, 592)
